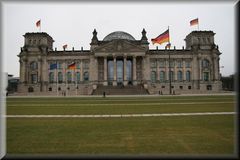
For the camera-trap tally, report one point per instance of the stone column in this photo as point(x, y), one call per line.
point(22, 70)
point(175, 70)
point(39, 79)
point(81, 65)
point(194, 68)
point(39, 70)
point(166, 70)
point(217, 68)
point(157, 70)
point(114, 71)
point(200, 68)
point(184, 71)
point(125, 81)
point(105, 71)
point(134, 71)
point(27, 80)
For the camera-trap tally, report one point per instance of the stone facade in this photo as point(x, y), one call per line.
point(119, 59)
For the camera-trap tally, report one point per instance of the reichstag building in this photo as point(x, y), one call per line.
point(119, 64)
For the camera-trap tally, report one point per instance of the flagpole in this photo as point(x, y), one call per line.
point(66, 79)
point(198, 25)
point(75, 80)
point(57, 77)
point(170, 85)
point(40, 25)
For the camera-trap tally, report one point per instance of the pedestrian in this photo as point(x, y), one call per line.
point(104, 94)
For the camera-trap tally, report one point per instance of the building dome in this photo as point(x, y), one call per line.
point(119, 35)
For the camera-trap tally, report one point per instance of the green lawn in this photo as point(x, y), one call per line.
point(190, 135)
point(120, 105)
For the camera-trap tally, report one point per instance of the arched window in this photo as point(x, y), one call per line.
point(162, 76)
point(78, 77)
point(69, 77)
point(33, 65)
point(78, 65)
point(153, 76)
point(205, 63)
point(60, 77)
point(179, 75)
point(86, 76)
point(51, 77)
point(188, 76)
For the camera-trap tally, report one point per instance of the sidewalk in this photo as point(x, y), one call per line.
point(154, 95)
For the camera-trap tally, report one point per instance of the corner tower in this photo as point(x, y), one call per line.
point(32, 60)
point(200, 39)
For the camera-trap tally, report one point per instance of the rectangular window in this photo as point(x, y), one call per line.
point(163, 86)
point(205, 76)
point(187, 64)
point(153, 64)
point(161, 64)
point(85, 65)
point(181, 87)
point(34, 78)
point(179, 64)
point(59, 65)
point(189, 87)
point(171, 64)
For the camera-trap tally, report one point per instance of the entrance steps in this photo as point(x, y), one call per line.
point(120, 90)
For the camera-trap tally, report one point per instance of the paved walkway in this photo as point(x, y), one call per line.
point(120, 115)
point(153, 95)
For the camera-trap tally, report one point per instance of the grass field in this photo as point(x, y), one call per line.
point(187, 135)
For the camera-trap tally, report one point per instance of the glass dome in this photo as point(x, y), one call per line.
point(119, 35)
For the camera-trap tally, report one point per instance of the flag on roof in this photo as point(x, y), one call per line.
point(65, 46)
point(164, 37)
point(194, 22)
point(38, 23)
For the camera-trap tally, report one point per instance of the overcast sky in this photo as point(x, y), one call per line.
point(73, 24)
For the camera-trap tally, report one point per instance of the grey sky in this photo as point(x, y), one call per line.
point(73, 24)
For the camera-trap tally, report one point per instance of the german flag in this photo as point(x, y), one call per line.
point(72, 65)
point(194, 22)
point(38, 23)
point(162, 38)
point(65, 46)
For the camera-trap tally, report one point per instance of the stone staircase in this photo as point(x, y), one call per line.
point(120, 90)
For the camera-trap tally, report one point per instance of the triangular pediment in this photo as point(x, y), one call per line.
point(119, 46)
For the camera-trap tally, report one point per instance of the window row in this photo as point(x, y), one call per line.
point(34, 41)
point(179, 64)
point(163, 76)
point(70, 77)
point(204, 40)
point(76, 65)
point(163, 64)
